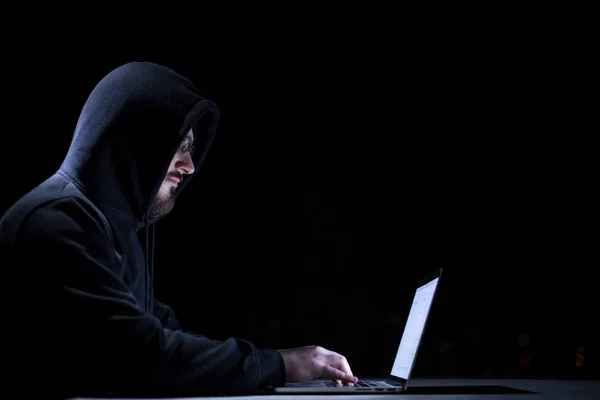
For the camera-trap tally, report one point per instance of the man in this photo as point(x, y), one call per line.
point(87, 322)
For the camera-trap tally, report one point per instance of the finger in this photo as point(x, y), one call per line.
point(344, 365)
point(341, 363)
point(344, 383)
point(334, 373)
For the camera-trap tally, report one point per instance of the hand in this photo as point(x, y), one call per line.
point(305, 363)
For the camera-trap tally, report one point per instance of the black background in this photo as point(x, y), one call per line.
point(343, 173)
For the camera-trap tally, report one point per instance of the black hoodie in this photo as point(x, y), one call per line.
point(86, 321)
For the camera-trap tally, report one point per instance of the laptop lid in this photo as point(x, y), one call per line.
point(415, 326)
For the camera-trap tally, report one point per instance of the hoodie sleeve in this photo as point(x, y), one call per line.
point(166, 316)
point(127, 350)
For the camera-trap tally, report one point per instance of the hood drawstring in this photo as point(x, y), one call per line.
point(151, 288)
point(149, 275)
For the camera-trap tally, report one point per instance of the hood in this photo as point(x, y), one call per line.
point(128, 132)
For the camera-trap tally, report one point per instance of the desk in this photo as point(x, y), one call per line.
point(541, 388)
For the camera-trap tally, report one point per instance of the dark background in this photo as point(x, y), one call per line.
point(339, 176)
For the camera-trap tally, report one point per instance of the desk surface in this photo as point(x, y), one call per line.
point(516, 389)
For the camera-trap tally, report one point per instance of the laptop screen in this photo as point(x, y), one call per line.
point(413, 330)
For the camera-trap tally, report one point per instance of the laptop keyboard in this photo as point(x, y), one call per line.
point(373, 384)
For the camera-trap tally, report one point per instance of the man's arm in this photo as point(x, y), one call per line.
point(100, 331)
point(166, 316)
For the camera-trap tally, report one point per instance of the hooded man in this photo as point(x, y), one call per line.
point(86, 322)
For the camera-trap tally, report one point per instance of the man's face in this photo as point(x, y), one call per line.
point(181, 165)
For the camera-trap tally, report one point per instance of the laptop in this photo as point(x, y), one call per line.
point(397, 381)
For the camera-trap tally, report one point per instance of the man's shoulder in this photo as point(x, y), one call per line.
point(45, 211)
point(69, 212)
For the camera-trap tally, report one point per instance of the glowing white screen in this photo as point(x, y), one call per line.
point(407, 351)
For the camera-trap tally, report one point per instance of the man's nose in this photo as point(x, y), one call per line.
point(186, 165)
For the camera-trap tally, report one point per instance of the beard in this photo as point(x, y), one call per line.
point(165, 199)
point(162, 205)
